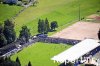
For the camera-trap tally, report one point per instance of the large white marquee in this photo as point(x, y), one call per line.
point(76, 51)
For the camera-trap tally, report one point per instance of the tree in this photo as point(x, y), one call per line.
point(3, 40)
point(9, 31)
point(41, 26)
point(47, 28)
point(9, 63)
point(1, 1)
point(1, 28)
point(18, 61)
point(25, 34)
point(29, 64)
point(99, 34)
point(54, 25)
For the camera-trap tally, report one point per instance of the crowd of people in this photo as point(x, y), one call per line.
point(58, 40)
point(8, 51)
point(14, 48)
point(94, 51)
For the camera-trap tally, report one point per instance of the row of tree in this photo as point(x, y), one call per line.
point(8, 62)
point(44, 27)
point(18, 61)
point(8, 34)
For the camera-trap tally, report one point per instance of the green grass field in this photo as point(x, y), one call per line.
point(62, 11)
point(40, 54)
point(7, 12)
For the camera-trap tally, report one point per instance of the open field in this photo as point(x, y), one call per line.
point(62, 11)
point(40, 54)
point(80, 30)
point(7, 11)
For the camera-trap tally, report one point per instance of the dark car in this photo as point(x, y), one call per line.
point(42, 35)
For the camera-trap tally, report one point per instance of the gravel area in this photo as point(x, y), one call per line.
point(80, 31)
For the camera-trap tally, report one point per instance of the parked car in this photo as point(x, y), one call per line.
point(42, 35)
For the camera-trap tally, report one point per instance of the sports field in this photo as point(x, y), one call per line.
point(62, 11)
point(40, 54)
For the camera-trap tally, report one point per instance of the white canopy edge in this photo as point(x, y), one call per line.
point(76, 51)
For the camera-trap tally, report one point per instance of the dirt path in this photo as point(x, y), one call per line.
point(80, 31)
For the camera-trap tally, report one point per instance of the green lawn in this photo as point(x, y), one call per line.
point(7, 12)
point(40, 54)
point(63, 11)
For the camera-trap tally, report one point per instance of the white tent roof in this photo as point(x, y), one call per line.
point(76, 51)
